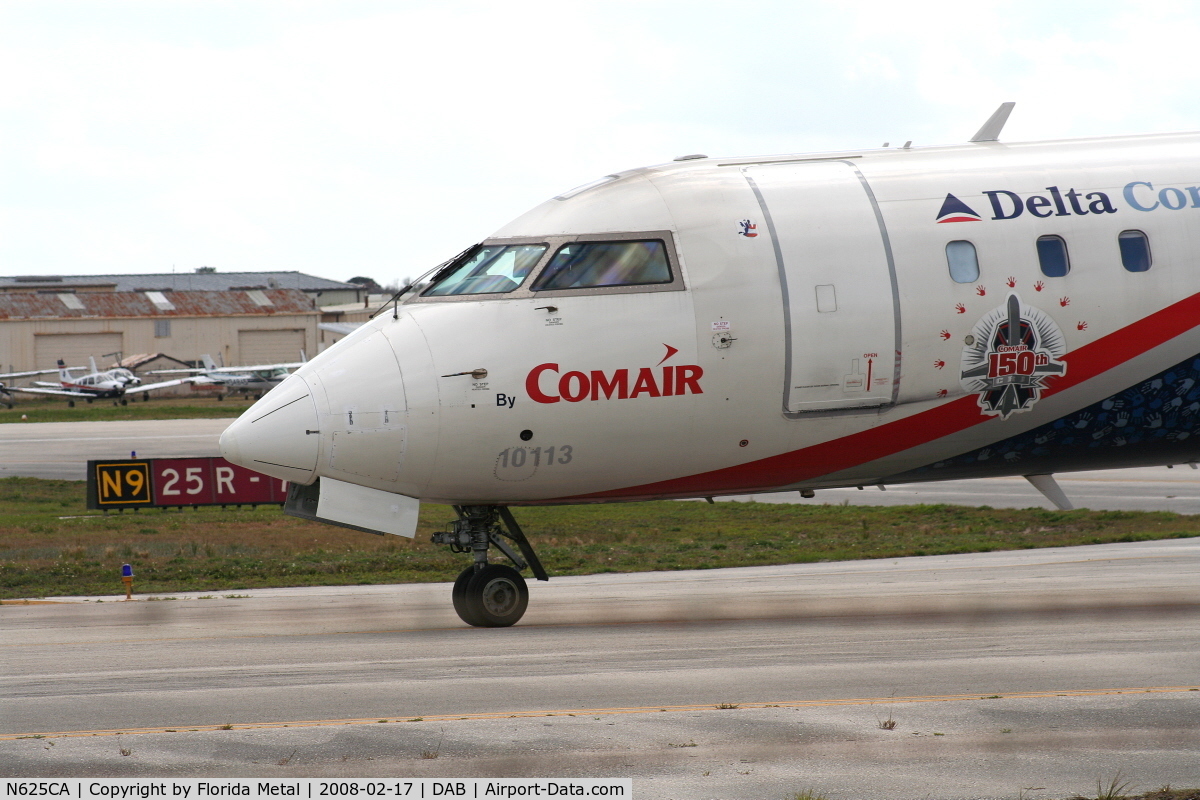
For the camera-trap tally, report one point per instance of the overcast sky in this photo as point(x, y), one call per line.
point(378, 138)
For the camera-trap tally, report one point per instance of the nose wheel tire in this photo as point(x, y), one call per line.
point(459, 595)
point(493, 597)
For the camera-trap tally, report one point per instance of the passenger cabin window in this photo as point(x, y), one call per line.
point(1135, 250)
point(581, 265)
point(491, 269)
point(1052, 256)
point(963, 261)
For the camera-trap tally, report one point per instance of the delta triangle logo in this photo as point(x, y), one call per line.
point(955, 210)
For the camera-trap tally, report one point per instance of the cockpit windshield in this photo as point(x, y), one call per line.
point(593, 264)
point(491, 268)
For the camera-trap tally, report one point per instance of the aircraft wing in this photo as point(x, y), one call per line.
point(344, 328)
point(63, 392)
point(253, 368)
point(261, 367)
point(150, 387)
point(6, 375)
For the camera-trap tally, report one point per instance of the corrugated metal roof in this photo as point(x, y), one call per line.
point(180, 281)
point(30, 305)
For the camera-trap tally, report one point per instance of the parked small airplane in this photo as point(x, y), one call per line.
point(110, 384)
point(5, 390)
point(259, 378)
point(723, 326)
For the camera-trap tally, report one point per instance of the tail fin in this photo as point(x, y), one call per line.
point(209, 364)
point(92, 361)
point(303, 358)
point(64, 374)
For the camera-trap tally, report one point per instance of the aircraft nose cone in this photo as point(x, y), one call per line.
point(277, 436)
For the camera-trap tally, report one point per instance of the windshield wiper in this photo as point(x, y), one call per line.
point(440, 271)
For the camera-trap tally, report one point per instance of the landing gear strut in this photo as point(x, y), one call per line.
point(490, 595)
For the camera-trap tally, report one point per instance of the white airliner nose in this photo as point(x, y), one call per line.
point(277, 436)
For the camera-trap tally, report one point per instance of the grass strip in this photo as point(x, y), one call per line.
point(51, 545)
point(43, 409)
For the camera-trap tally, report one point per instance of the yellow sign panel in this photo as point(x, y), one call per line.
point(123, 483)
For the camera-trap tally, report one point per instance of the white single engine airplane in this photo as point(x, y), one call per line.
point(260, 378)
point(110, 384)
point(721, 326)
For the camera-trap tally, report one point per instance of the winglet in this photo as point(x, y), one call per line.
point(990, 132)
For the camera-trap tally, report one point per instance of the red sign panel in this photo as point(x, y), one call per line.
point(211, 481)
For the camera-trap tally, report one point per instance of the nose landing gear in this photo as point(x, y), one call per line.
point(490, 595)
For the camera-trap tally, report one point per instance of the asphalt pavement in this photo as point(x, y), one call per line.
point(1017, 674)
point(61, 450)
point(1030, 674)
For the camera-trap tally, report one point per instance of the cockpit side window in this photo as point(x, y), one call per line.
point(580, 265)
point(491, 269)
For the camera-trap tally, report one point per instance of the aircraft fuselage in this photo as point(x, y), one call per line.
point(834, 320)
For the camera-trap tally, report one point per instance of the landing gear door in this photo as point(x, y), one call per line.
point(840, 301)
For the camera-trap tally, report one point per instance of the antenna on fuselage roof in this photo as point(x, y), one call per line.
point(990, 132)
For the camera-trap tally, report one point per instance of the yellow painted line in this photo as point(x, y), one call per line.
point(619, 710)
point(32, 602)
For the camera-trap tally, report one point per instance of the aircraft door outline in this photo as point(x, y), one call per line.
point(840, 294)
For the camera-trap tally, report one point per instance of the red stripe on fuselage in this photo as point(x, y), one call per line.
point(859, 448)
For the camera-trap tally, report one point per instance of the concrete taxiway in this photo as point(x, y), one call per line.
point(61, 450)
point(1032, 673)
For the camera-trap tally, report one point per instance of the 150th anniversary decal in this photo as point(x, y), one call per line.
point(1009, 355)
